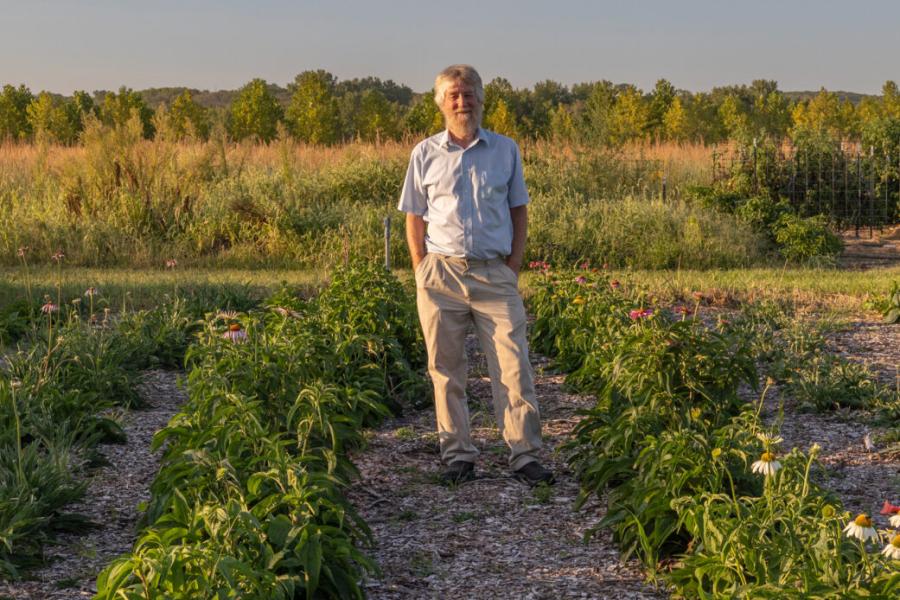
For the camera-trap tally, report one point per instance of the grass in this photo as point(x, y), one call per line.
point(145, 288)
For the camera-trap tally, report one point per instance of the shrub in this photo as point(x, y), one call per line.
point(801, 239)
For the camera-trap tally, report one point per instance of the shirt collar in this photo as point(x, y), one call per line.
point(480, 136)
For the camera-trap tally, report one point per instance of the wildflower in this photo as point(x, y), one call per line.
point(49, 307)
point(235, 333)
point(861, 528)
point(614, 284)
point(889, 509)
point(696, 413)
point(716, 453)
point(698, 296)
point(605, 266)
point(58, 255)
point(21, 251)
point(766, 465)
point(171, 263)
point(895, 521)
point(640, 314)
point(682, 310)
point(286, 312)
point(828, 511)
point(581, 279)
point(15, 383)
point(585, 266)
point(578, 300)
point(90, 292)
point(892, 550)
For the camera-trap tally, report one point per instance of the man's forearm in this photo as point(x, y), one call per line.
point(415, 238)
point(519, 217)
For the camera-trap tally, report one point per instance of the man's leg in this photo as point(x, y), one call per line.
point(500, 320)
point(444, 314)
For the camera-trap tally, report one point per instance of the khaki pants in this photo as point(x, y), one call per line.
point(450, 293)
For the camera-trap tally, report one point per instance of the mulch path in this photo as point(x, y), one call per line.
point(492, 537)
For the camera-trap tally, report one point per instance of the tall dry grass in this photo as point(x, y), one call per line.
point(118, 199)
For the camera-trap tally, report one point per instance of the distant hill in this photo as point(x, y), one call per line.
point(851, 96)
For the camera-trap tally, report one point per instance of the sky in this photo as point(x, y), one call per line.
point(61, 46)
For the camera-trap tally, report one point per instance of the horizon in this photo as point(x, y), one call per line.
point(214, 46)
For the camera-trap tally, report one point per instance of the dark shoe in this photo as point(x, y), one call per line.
point(534, 474)
point(457, 472)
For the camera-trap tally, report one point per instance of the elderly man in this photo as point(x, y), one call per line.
point(466, 183)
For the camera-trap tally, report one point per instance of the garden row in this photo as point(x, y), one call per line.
point(249, 501)
point(74, 362)
point(694, 480)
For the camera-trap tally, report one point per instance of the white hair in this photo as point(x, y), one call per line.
point(453, 73)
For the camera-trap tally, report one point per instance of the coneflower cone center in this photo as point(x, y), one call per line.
point(896, 541)
point(863, 521)
point(767, 457)
point(234, 327)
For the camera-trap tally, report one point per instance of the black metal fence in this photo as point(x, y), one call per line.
point(855, 187)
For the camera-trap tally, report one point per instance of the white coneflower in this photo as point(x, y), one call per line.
point(235, 333)
point(766, 465)
point(892, 550)
point(49, 307)
point(861, 528)
point(895, 520)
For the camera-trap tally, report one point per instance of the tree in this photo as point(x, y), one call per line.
point(661, 99)
point(630, 116)
point(13, 112)
point(254, 113)
point(376, 119)
point(187, 119)
point(597, 111)
point(501, 120)
point(675, 123)
point(562, 124)
point(424, 117)
point(117, 109)
point(54, 119)
point(313, 114)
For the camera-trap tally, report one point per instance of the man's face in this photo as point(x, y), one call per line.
point(461, 108)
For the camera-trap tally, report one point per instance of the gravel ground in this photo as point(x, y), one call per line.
point(111, 501)
point(492, 537)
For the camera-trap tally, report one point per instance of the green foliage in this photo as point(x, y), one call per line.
point(250, 497)
point(375, 118)
point(118, 109)
point(313, 114)
point(802, 239)
point(186, 119)
point(254, 113)
point(14, 124)
point(55, 120)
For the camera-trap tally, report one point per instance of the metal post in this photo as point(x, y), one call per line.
point(387, 243)
point(858, 191)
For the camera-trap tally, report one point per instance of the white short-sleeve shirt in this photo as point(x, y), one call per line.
point(464, 194)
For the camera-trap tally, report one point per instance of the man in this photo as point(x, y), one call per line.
point(466, 183)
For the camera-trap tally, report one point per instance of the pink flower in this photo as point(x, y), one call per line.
point(640, 314)
point(49, 307)
point(58, 255)
point(235, 333)
point(585, 266)
point(614, 284)
point(22, 250)
point(581, 279)
point(682, 310)
point(171, 263)
point(890, 509)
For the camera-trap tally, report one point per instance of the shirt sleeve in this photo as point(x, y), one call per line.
point(413, 198)
point(518, 194)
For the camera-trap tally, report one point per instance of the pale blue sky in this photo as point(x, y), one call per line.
point(102, 44)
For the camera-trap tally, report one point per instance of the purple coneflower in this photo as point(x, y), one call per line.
point(614, 284)
point(171, 263)
point(58, 255)
point(49, 307)
point(235, 333)
point(640, 314)
point(581, 279)
point(21, 251)
point(90, 292)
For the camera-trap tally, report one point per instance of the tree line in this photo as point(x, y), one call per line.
point(317, 108)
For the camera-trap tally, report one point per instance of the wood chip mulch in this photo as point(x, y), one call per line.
point(492, 537)
point(863, 479)
point(111, 501)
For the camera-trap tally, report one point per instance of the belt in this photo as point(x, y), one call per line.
point(469, 262)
